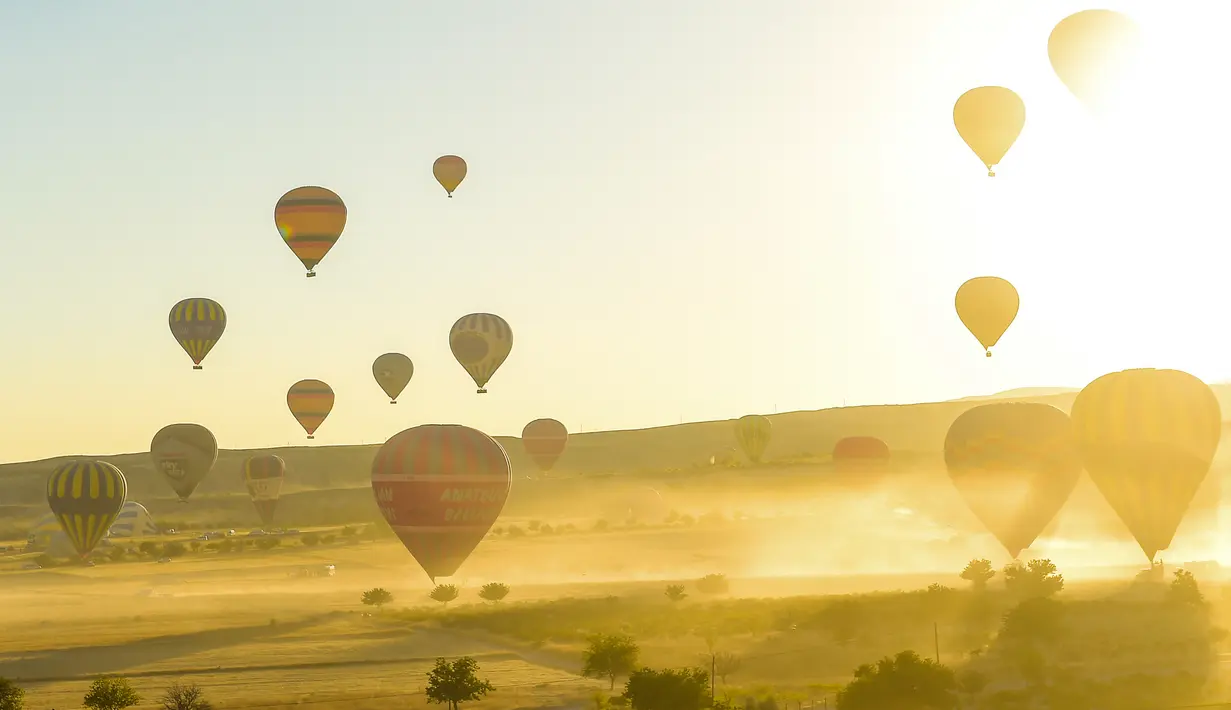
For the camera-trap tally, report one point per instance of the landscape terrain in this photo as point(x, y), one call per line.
point(827, 570)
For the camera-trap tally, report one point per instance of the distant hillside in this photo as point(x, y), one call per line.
point(914, 432)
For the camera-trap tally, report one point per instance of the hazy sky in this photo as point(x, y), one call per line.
point(695, 208)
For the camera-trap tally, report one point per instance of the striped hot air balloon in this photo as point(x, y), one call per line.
point(86, 496)
point(310, 401)
point(449, 171)
point(310, 220)
point(441, 487)
point(263, 475)
point(481, 342)
point(197, 324)
point(1015, 464)
point(860, 454)
point(184, 454)
point(753, 432)
point(544, 440)
point(1147, 438)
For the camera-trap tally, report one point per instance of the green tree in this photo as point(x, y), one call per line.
point(195, 546)
point(713, 585)
point(268, 543)
point(1034, 621)
point(903, 682)
point(455, 683)
point(148, 548)
point(1184, 589)
point(377, 597)
point(675, 592)
point(1037, 578)
point(978, 573)
point(494, 591)
point(184, 697)
point(174, 549)
point(445, 593)
point(110, 692)
point(310, 539)
point(12, 696)
point(671, 689)
point(610, 656)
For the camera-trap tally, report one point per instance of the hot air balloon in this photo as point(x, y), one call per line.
point(393, 372)
point(1093, 53)
point(310, 219)
point(86, 496)
point(752, 432)
point(989, 119)
point(184, 454)
point(441, 487)
point(449, 171)
point(860, 454)
point(544, 441)
point(197, 324)
point(1147, 438)
point(987, 306)
point(1015, 464)
point(264, 475)
point(310, 401)
point(481, 342)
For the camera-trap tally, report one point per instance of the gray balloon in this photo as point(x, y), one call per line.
point(184, 455)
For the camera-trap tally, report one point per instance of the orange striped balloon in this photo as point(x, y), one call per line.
point(310, 401)
point(311, 220)
point(544, 441)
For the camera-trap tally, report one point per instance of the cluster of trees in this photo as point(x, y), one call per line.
point(443, 593)
point(709, 584)
point(113, 692)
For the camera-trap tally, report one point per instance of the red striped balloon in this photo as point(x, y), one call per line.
point(860, 453)
point(310, 401)
point(544, 441)
point(441, 487)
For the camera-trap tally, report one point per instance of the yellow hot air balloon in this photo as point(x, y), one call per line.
point(1093, 53)
point(481, 342)
point(989, 119)
point(987, 306)
point(1147, 438)
point(752, 432)
point(86, 496)
point(449, 171)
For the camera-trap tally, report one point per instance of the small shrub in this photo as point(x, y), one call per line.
point(445, 593)
point(713, 584)
point(515, 531)
point(494, 591)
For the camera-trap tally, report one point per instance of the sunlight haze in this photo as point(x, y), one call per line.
point(686, 211)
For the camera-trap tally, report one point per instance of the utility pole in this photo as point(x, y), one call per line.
point(936, 640)
point(713, 668)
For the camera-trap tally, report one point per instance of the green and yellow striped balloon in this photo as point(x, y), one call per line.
point(86, 496)
point(197, 324)
point(752, 432)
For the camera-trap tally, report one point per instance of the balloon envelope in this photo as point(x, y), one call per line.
point(197, 324)
point(1147, 438)
point(393, 372)
point(481, 342)
point(752, 432)
point(989, 119)
point(184, 455)
point(263, 475)
point(987, 306)
point(310, 220)
point(1015, 464)
point(860, 453)
point(310, 401)
point(544, 441)
point(441, 487)
point(1094, 52)
point(449, 171)
point(86, 496)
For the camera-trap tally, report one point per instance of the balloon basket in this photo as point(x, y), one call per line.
point(311, 274)
point(481, 391)
point(393, 401)
point(450, 195)
point(311, 437)
point(183, 501)
point(991, 174)
point(198, 367)
point(988, 353)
